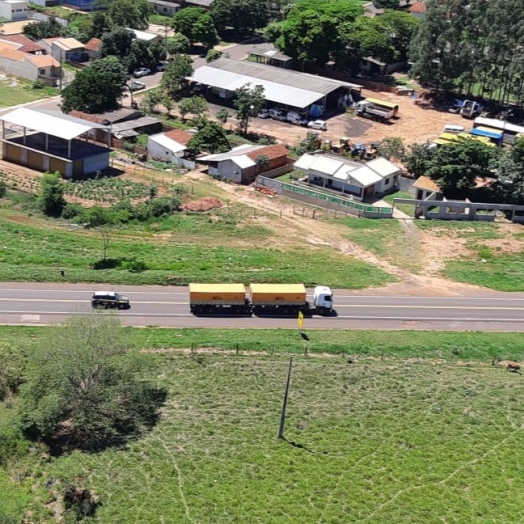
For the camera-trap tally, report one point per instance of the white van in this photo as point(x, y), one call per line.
point(452, 128)
point(295, 118)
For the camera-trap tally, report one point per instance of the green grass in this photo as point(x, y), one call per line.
point(458, 229)
point(392, 440)
point(409, 209)
point(15, 91)
point(385, 238)
point(186, 248)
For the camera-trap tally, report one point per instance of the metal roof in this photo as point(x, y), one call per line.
point(50, 122)
point(328, 166)
point(269, 51)
point(243, 161)
point(498, 124)
point(383, 167)
point(168, 143)
point(236, 151)
point(280, 85)
point(364, 176)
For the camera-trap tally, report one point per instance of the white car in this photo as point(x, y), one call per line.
point(318, 124)
point(263, 114)
point(141, 71)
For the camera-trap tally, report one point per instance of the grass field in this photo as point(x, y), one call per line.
point(409, 209)
point(15, 91)
point(178, 250)
point(386, 438)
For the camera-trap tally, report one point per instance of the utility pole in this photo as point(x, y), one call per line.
point(284, 403)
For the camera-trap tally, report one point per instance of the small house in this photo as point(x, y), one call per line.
point(65, 49)
point(170, 147)
point(14, 9)
point(92, 48)
point(244, 163)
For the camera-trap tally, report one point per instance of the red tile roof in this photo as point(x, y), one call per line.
point(94, 44)
point(275, 151)
point(418, 7)
point(27, 45)
point(179, 135)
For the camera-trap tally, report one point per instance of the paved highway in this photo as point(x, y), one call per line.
point(28, 303)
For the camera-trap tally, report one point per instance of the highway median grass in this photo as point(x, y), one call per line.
point(379, 437)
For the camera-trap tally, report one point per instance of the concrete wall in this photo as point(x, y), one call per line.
point(160, 153)
point(228, 169)
point(164, 10)
point(23, 69)
point(14, 11)
point(96, 163)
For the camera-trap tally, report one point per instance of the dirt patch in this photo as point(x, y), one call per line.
point(19, 219)
point(203, 204)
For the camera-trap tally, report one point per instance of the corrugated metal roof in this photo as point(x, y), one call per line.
point(243, 161)
point(168, 143)
point(328, 166)
point(269, 51)
point(135, 124)
point(143, 35)
point(365, 176)
point(304, 162)
point(236, 151)
point(49, 122)
point(383, 167)
point(273, 92)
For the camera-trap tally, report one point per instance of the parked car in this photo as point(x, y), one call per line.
point(263, 114)
point(161, 67)
point(135, 85)
point(141, 71)
point(109, 300)
point(318, 124)
point(276, 114)
point(295, 118)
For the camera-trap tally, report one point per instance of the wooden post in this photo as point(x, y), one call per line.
point(284, 402)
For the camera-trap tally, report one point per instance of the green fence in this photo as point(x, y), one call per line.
point(362, 208)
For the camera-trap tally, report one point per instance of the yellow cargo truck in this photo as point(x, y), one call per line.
point(275, 298)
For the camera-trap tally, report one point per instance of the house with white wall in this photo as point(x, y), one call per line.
point(170, 147)
point(339, 173)
point(14, 9)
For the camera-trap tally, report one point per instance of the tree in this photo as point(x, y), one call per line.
point(310, 32)
point(213, 54)
point(196, 25)
point(392, 147)
point(168, 104)
point(100, 24)
point(400, 27)
point(51, 194)
point(41, 30)
point(243, 16)
point(83, 390)
point(174, 78)
point(151, 100)
point(92, 91)
point(112, 66)
point(210, 139)
point(249, 101)
point(142, 53)
point(418, 158)
point(196, 105)
point(509, 187)
point(222, 116)
point(3, 189)
point(130, 13)
point(455, 166)
point(178, 44)
point(117, 43)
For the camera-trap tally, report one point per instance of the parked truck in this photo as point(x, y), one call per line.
point(368, 109)
point(285, 299)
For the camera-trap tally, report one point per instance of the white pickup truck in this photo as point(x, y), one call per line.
point(369, 110)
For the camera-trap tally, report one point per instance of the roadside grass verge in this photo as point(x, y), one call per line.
point(406, 344)
point(393, 440)
point(14, 91)
point(187, 248)
point(386, 239)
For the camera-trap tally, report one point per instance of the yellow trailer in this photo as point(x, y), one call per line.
point(205, 298)
point(385, 104)
point(277, 295)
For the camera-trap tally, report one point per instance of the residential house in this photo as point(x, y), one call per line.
point(64, 49)
point(425, 187)
point(165, 8)
point(244, 163)
point(27, 65)
point(170, 147)
point(25, 45)
point(92, 48)
point(205, 4)
point(267, 54)
point(418, 10)
point(14, 9)
point(361, 180)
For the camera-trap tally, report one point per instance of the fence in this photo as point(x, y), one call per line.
point(325, 200)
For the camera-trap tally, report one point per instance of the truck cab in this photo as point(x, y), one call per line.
point(323, 299)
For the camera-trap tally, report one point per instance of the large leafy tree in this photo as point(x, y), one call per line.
point(178, 44)
point(129, 13)
point(242, 16)
point(310, 32)
point(114, 67)
point(41, 30)
point(117, 43)
point(510, 172)
point(196, 25)
point(249, 101)
point(83, 390)
point(92, 91)
point(210, 139)
point(455, 166)
point(143, 53)
point(174, 78)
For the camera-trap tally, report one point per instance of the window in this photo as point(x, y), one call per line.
point(386, 182)
point(42, 72)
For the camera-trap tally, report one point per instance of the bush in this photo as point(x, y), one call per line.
point(136, 266)
point(13, 364)
point(72, 211)
point(12, 447)
point(38, 84)
point(3, 189)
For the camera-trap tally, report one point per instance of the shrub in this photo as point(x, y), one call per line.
point(3, 189)
point(12, 447)
point(38, 84)
point(72, 211)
